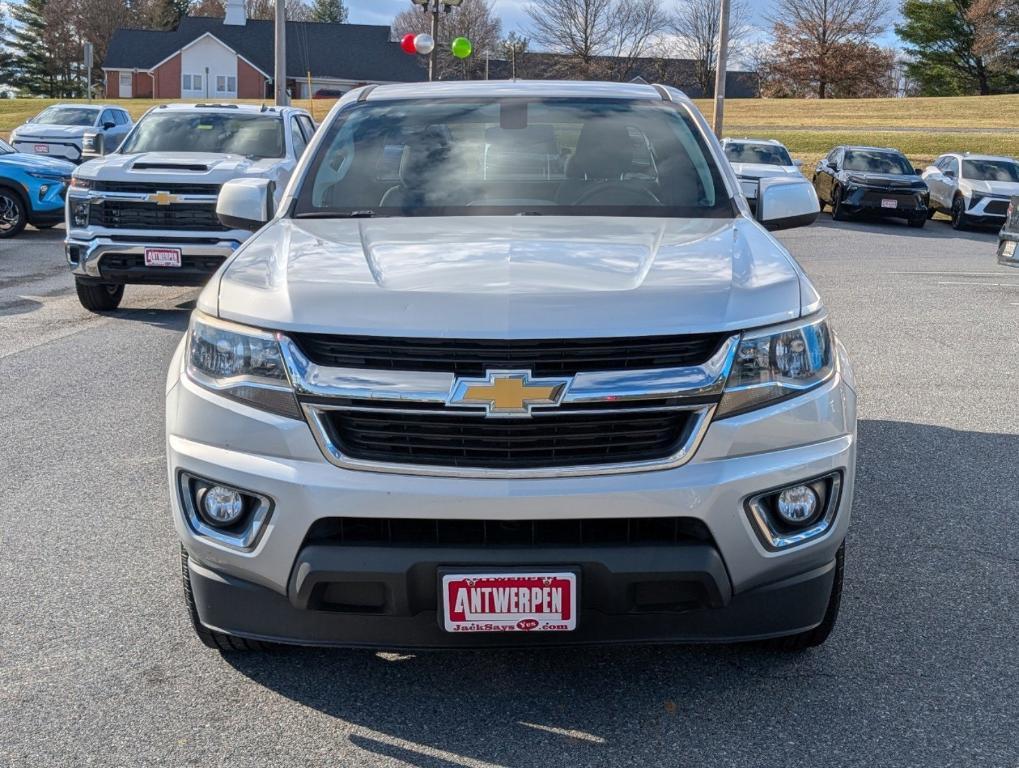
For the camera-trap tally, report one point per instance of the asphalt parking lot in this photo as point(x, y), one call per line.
point(98, 666)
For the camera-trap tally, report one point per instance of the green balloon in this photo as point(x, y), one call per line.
point(462, 48)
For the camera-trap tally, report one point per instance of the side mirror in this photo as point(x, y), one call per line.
point(245, 203)
point(108, 125)
point(832, 165)
point(798, 163)
point(786, 202)
point(918, 171)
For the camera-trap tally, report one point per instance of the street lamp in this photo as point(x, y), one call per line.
point(435, 7)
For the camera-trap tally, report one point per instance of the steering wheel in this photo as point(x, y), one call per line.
point(616, 192)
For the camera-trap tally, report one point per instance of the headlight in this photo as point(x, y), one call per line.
point(241, 363)
point(776, 363)
point(78, 183)
point(46, 176)
point(79, 211)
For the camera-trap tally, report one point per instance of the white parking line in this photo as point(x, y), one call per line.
point(996, 285)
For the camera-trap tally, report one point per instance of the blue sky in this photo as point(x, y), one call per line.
point(513, 16)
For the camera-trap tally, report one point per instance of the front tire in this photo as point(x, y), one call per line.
point(99, 297)
point(13, 213)
point(959, 219)
point(838, 212)
point(210, 638)
point(816, 636)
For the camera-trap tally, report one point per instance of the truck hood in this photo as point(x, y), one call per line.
point(510, 277)
point(761, 171)
point(197, 167)
point(30, 131)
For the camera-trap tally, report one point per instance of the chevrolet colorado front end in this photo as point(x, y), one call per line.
point(543, 380)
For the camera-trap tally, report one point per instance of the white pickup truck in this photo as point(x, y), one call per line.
point(147, 212)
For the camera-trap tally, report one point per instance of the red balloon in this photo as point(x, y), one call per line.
point(407, 43)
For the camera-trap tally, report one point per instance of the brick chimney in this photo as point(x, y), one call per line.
point(235, 14)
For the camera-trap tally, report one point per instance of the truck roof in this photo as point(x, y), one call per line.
point(510, 88)
point(248, 109)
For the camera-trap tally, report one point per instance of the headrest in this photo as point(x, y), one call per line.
point(423, 154)
point(604, 151)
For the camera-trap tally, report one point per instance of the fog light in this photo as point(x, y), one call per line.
point(43, 190)
point(797, 505)
point(221, 506)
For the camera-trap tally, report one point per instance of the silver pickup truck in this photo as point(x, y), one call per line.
point(546, 379)
point(146, 213)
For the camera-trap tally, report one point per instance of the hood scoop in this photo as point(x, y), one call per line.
point(197, 167)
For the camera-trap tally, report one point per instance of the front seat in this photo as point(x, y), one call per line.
point(424, 173)
point(604, 153)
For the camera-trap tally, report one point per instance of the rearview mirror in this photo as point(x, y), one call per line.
point(785, 203)
point(245, 203)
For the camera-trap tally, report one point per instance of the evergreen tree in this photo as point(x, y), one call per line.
point(26, 41)
point(329, 11)
point(166, 14)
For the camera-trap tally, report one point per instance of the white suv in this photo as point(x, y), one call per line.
point(972, 189)
point(550, 383)
point(147, 212)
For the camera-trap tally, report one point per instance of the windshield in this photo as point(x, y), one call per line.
point(5, 148)
point(757, 154)
point(871, 161)
point(250, 135)
point(512, 157)
point(990, 170)
point(66, 116)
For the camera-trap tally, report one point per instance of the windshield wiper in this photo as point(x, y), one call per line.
point(366, 214)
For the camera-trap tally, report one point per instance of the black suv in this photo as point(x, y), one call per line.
point(881, 181)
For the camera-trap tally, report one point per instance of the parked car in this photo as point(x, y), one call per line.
point(972, 189)
point(327, 93)
point(31, 190)
point(873, 180)
point(147, 212)
point(603, 406)
point(756, 159)
point(1008, 237)
point(57, 131)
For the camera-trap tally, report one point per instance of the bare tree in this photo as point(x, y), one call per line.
point(585, 30)
point(826, 46)
point(696, 26)
point(474, 20)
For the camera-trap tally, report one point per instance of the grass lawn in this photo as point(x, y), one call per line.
point(922, 128)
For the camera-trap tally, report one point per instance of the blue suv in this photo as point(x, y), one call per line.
point(32, 190)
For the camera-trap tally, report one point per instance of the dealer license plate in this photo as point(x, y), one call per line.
point(886, 203)
point(162, 257)
point(509, 602)
point(42, 149)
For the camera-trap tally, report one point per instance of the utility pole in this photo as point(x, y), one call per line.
point(280, 72)
point(88, 70)
point(433, 57)
point(720, 68)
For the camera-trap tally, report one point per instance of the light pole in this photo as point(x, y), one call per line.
point(280, 42)
point(721, 66)
point(435, 7)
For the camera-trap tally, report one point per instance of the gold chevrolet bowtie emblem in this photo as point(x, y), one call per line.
point(162, 198)
point(508, 393)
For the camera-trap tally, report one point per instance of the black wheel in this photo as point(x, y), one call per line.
point(931, 212)
point(837, 211)
point(959, 218)
point(99, 297)
point(13, 215)
point(816, 636)
point(210, 637)
point(917, 222)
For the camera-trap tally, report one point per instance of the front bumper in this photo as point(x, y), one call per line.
point(747, 591)
point(873, 200)
point(61, 149)
point(109, 260)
